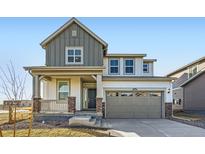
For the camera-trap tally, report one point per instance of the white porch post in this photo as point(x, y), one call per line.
point(36, 93)
point(99, 97)
point(36, 87)
point(99, 86)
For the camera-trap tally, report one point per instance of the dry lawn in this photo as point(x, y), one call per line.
point(4, 118)
point(56, 132)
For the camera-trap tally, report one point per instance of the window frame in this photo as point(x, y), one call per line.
point(147, 67)
point(57, 88)
point(109, 63)
point(73, 48)
point(191, 70)
point(124, 66)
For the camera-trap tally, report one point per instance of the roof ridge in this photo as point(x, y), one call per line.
point(67, 24)
point(187, 65)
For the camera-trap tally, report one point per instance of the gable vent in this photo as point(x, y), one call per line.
point(74, 33)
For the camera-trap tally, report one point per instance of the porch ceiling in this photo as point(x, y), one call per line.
point(74, 70)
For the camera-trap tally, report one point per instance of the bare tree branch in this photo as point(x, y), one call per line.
point(12, 86)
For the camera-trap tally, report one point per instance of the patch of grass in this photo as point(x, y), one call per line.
point(4, 118)
point(56, 132)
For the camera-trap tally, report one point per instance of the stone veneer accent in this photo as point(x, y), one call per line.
point(36, 104)
point(168, 110)
point(71, 104)
point(103, 109)
point(99, 106)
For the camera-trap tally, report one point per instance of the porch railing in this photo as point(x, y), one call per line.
point(54, 106)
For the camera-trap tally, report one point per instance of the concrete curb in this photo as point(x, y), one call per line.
point(118, 133)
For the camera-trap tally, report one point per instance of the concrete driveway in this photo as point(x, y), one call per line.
point(153, 128)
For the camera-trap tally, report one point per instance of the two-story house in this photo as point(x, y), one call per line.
point(189, 86)
point(80, 75)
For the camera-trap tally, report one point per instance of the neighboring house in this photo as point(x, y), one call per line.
point(80, 75)
point(189, 87)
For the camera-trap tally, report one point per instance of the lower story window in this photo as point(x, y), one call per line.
point(112, 94)
point(63, 90)
point(155, 94)
point(126, 94)
point(141, 93)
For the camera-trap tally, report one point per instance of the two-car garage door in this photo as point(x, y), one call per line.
point(140, 104)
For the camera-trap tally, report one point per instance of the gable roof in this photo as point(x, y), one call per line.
point(66, 25)
point(193, 78)
point(186, 66)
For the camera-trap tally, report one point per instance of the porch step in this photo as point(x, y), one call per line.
point(82, 121)
point(85, 113)
point(88, 121)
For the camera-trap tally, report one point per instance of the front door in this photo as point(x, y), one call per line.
point(91, 98)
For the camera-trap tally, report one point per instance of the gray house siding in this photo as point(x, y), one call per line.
point(178, 94)
point(92, 49)
point(194, 94)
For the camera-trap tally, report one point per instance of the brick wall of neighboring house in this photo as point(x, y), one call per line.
point(19, 103)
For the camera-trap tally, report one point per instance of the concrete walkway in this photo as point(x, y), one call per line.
point(153, 128)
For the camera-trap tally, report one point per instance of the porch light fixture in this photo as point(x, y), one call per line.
point(168, 90)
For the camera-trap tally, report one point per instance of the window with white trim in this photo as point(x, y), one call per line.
point(74, 55)
point(63, 90)
point(129, 66)
point(114, 66)
point(193, 70)
point(146, 68)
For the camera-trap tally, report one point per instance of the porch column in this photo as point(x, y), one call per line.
point(36, 93)
point(99, 96)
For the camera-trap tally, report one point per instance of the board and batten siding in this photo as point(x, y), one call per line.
point(194, 94)
point(92, 49)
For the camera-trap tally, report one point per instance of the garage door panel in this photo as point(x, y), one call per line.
point(133, 107)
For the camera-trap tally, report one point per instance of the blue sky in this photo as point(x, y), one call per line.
point(174, 42)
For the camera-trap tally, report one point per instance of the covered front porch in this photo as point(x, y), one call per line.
point(67, 89)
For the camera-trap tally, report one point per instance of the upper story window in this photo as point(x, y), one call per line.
point(114, 66)
point(63, 90)
point(193, 70)
point(146, 68)
point(129, 66)
point(74, 55)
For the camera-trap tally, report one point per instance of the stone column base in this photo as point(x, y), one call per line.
point(103, 109)
point(36, 104)
point(168, 110)
point(71, 104)
point(99, 106)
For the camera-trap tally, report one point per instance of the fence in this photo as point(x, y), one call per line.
point(54, 106)
point(18, 103)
